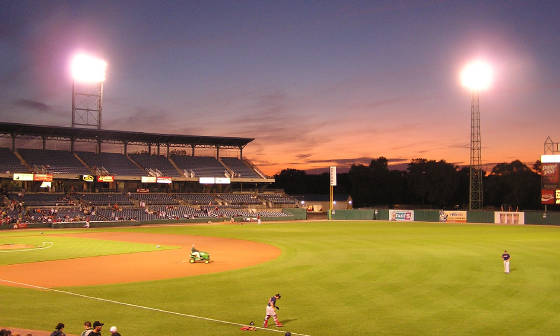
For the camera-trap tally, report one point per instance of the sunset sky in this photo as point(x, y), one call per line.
point(317, 83)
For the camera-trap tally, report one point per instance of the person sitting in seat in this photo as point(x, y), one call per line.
point(195, 252)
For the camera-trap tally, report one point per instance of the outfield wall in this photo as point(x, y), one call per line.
point(451, 216)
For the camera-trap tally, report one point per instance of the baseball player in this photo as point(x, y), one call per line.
point(271, 311)
point(506, 257)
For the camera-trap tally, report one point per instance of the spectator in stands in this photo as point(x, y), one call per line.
point(96, 329)
point(114, 332)
point(5, 332)
point(87, 329)
point(58, 330)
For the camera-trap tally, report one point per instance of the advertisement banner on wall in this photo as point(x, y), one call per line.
point(42, 177)
point(88, 178)
point(222, 180)
point(105, 178)
point(550, 175)
point(162, 179)
point(452, 216)
point(148, 179)
point(508, 217)
point(401, 215)
point(23, 177)
point(547, 196)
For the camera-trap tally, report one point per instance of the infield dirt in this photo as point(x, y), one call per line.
point(226, 254)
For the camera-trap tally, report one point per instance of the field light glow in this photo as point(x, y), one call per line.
point(477, 76)
point(88, 69)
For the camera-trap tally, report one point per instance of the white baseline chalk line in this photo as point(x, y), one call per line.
point(143, 307)
point(45, 245)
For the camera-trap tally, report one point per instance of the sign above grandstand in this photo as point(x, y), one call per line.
point(214, 180)
point(43, 177)
point(149, 179)
point(105, 178)
point(88, 178)
point(166, 180)
point(23, 177)
point(223, 180)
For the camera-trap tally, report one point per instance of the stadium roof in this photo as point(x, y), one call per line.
point(69, 133)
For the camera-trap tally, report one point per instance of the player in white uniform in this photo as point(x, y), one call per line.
point(271, 311)
point(506, 257)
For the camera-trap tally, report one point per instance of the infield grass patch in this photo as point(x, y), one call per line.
point(44, 247)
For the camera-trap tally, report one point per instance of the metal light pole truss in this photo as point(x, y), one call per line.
point(87, 104)
point(551, 147)
point(475, 182)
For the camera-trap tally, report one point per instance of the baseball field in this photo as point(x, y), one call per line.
point(335, 278)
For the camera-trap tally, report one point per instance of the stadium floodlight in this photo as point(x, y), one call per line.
point(477, 76)
point(88, 69)
point(88, 75)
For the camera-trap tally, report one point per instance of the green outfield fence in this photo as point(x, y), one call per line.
point(432, 215)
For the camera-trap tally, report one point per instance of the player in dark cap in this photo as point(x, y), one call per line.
point(58, 330)
point(96, 329)
point(271, 308)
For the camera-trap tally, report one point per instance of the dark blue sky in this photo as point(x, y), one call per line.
point(315, 82)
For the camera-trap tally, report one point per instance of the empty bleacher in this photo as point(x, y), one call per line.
point(199, 166)
point(111, 163)
point(199, 199)
point(104, 199)
point(9, 163)
point(278, 199)
point(154, 198)
point(240, 199)
point(156, 165)
point(52, 161)
point(240, 168)
point(42, 199)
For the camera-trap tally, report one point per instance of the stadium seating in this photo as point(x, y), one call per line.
point(111, 164)
point(105, 199)
point(240, 168)
point(52, 161)
point(240, 199)
point(42, 199)
point(199, 199)
point(199, 166)
point(278, 199)
point(156, 165)
point(179, 212)
point(9, 163)
point(154, 198)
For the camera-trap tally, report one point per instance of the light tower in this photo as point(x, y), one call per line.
point(476, 77)
point(88, 74)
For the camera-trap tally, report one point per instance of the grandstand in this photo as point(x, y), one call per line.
point(162, 182)
point(111, 158)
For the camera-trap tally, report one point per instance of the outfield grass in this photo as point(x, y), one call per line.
point(47, 246)
point(341, 278)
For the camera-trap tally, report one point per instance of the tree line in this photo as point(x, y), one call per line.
point(424, 183)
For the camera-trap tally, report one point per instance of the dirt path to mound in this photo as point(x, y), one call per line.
point(226, 254)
